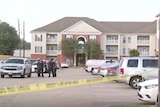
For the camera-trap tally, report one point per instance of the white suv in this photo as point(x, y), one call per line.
point(16, 66)
point(138, 69)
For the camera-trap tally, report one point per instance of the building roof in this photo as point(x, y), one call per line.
point(103, 26)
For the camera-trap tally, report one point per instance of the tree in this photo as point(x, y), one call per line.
point(9, 39)
point(92, 49)
point(134, 52)
point(69, 47)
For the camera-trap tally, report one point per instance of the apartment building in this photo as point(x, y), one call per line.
point(116, 39)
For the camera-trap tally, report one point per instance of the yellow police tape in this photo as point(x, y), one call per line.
point(46, 86)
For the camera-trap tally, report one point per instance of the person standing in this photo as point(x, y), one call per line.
point(42, 67)
point(51, 68)
point(39, 67)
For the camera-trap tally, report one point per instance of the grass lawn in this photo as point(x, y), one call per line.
point(132, 106)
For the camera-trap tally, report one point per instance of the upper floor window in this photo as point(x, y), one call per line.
point(129, 39)
point(69, 36)
point(38, 37)
point(143, 37)
point(124, 39)
point(92, 37)
point(38, 49)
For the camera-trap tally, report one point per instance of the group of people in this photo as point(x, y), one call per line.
point(50, 67)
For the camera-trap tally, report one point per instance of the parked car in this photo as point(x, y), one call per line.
point(64, 65)
point(138, 69)
point(34, 66)
point(16, 66)
point(93, 63)
point(147, 91)
point(109, 69)
point(102, 69)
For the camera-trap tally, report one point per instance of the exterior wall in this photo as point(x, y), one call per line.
point(38, 43)
point(152, 45)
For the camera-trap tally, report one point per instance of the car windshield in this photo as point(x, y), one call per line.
point(17, 61)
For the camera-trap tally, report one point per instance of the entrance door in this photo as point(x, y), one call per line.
point(80, 59)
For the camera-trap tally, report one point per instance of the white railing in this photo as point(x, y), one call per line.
point(51, 41)
point(51, 52)
point(112, 41)
point(111, 53)
point(142, 41)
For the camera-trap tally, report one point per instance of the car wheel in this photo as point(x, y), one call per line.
point(134, 81)
point(2, 76)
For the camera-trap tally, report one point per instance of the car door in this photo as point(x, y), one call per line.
point(150, 68)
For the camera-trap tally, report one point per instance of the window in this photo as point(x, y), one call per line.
point(124, 39)
point(152, 63)
point(38, 49)
point(38, 37)
point(129, 39)
point(124, 51)
point(69, 36)
point(132, 63)
point(129, 50)
point(92, 37)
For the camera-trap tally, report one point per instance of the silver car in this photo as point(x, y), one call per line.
point(16, 66)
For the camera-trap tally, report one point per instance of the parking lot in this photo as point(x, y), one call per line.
point(92, 95)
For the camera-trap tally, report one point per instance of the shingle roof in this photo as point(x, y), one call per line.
point(104, 27)
point(132, 27)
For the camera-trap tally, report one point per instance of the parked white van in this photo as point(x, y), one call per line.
point(91, 63)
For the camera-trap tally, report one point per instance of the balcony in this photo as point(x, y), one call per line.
point(144, 54)
point(51, 41)
point(111, 53)
point(143, 42)
point(51, 52)
point(112, 42)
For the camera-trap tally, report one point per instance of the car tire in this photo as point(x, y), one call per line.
point(134, 81)
point(2, 76)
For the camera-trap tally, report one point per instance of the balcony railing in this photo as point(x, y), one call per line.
point(111, 53)
point(143, 42)
point(111, 41)
point(51, 52)
point(144, 53)
point(52, 41)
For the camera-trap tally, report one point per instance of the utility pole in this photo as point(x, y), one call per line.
point(158, 35)
point(23, 39)
point(19, 33)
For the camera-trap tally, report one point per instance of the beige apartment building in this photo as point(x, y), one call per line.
point(116, 39)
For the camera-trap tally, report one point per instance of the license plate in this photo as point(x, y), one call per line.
point(10, 73)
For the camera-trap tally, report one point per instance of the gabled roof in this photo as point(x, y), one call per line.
point(104, 27)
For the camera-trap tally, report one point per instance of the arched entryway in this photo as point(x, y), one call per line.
point(80, 56)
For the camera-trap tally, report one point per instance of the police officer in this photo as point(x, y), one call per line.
point(40, 68)
point(51, 68)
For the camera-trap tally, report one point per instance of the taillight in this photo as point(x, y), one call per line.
point(86, 66)
point(103, 68)
point(121, 70)
point(111, 69)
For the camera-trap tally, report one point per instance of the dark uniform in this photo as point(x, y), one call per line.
point(40, 68)
point(51, 68)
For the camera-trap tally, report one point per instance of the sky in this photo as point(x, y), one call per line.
point(37, 13)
